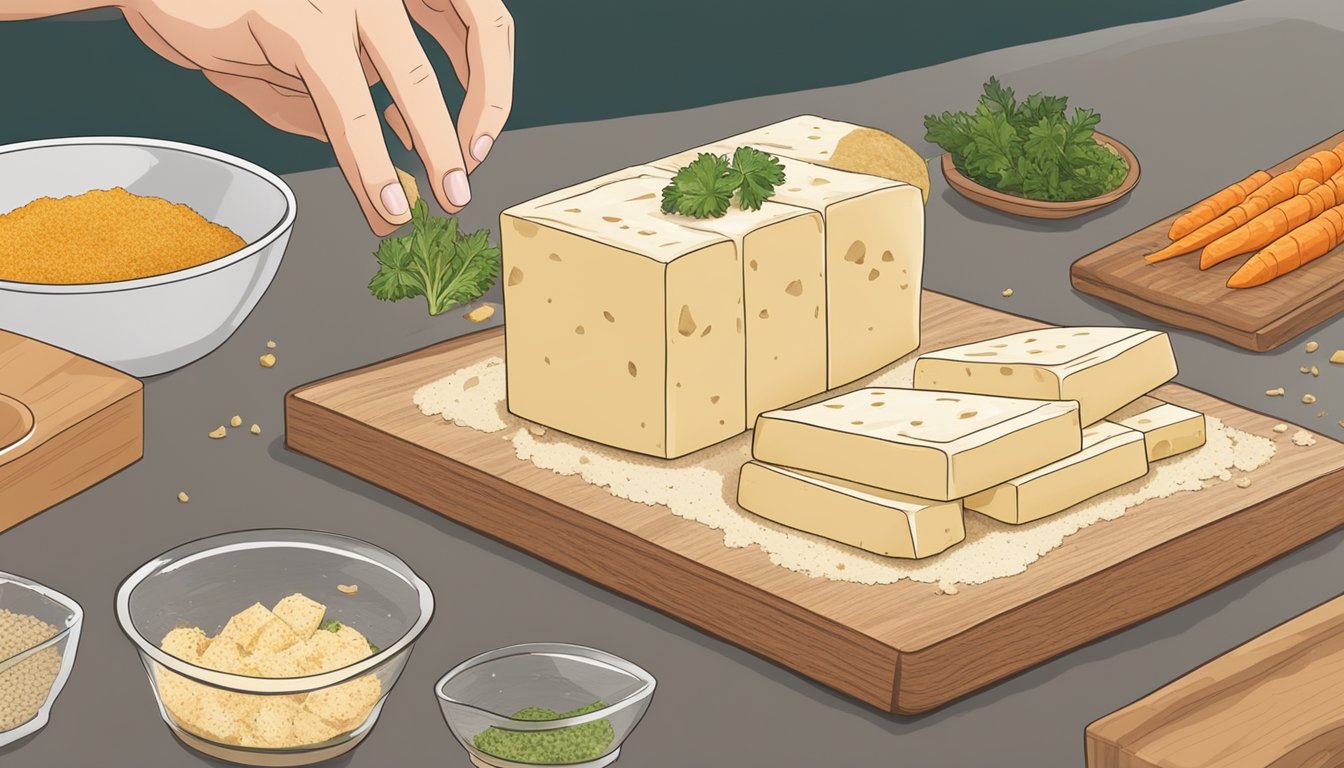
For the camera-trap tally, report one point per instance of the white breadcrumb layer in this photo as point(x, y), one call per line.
point(703, 487)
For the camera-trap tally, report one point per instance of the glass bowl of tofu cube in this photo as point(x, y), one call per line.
point(39, 634)
point(273, 647)
point(544, 704)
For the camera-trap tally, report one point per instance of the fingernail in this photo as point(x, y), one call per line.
point(481, 147)
point(455, 184)
point(394, 199)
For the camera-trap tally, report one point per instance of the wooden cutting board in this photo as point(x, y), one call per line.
point(1275, 701)
point(66, 423)
point(902, 647)
point(1178, 292)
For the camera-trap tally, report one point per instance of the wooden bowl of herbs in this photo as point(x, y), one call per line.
point(1031, 157)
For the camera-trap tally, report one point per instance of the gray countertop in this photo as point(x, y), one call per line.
point(1200, 100)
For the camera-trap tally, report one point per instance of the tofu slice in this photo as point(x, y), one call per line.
point(935, 445)
point(1167, 429)
point(874, 259)
point(873, 519)
point(625, 327)
point(1102, 368)
point(782, 253)
point(1112, 455)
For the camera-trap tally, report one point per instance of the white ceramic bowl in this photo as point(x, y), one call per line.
point(154, 324)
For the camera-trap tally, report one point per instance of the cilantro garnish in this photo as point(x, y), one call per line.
point(1030, 148)
point(436, 261)
point(331, 625)
point(704, 188)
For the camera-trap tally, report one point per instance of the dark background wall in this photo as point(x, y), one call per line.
point(576, 60)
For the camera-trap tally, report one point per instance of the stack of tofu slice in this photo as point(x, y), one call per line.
point(1017, 428)
point(664, 334)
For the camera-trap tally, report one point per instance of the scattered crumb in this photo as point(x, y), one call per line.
point(1308, 398)
point(348, 589)
point(1304, 369)
point(219, 432)
point(1320, 415)
point(1243, 482)
point(267, 360)
point(270, 344)
point(256, 429)
point(480, 314)
point(182, 497)
point(1280, 428)
point(236, 421)
point(1275, 392)
point(468, 397)
point(1315, 371)
point(1312, 346)
point(1007, 292)
point(1303, 438)
point(1338, 357)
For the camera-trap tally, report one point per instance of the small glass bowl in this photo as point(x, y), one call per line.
point(485, 692)
point(35, 667)
point(204, 583)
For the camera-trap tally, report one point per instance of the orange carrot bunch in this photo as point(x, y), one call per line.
point(1295, 217)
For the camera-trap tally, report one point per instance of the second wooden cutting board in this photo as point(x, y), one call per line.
point(1180, 293)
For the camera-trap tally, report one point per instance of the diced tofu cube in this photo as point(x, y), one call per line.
point(346, 705)
point(310, 729)
point(276, 636)
point(302, 615)
point(223, 655)
point(186, 643)
point(243, 628)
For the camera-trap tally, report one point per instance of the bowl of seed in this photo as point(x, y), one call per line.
point(544, 704)
point(39, 632)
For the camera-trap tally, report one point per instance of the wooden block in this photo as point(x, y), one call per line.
point(1274, 701)
point(87, 423)
point(900, 647)
point(1180, 293)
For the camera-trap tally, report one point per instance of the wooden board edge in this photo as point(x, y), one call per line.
point(862, 667)
point(1101, 752)
point(1255, 342)
point(1120, 596)
point(130, 407)
point(301, 391)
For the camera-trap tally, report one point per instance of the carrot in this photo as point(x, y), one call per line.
point(1308, 242)
point(1306, 186)
point(1273, 192)
point(1276, 222)
point(1212, 207)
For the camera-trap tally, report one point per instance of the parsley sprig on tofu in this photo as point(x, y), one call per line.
point(437, 261)
point(704, 188)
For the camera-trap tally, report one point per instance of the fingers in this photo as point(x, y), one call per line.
point(334, 78)
point(290, 111)
point(398, 125)
point(395, 51)
point(490, 75)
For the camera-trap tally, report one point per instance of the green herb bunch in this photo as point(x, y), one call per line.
point(1030, 148)
point(704, 188)
point(437, 261)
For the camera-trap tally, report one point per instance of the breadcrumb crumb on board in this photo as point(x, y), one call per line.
point(702, 488)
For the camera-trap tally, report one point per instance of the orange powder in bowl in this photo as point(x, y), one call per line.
point(106, 235)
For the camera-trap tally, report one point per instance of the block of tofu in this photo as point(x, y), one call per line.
point(874, 259)
point(1112, 455)
point(624, 327)
point(841, 145)
point(345, 706)
point(302, 615)
point(1102, 368)
point(274, 637)
point(877, 520)
point(1167, 429)
point(935, 445)
point(223, 655)
point(782, 253)
point(186, 643)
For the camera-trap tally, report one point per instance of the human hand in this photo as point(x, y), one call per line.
point(305, 66)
